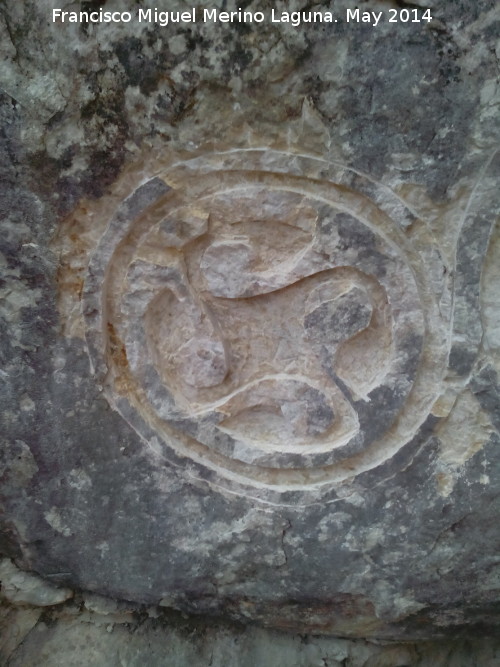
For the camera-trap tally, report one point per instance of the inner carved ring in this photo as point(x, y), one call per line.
point(268, 326)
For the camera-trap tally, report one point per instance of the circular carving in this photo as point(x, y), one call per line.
point(270, 327)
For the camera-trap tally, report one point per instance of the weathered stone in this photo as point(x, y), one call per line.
point(26, 588)
point(15, 624)
point(250, 320)
point(156, 637)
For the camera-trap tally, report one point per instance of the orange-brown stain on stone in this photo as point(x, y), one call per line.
point(118, 354)
point(345, 613)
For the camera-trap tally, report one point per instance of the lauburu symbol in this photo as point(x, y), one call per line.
point(272, 328)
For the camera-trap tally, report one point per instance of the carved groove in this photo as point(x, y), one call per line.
point(271, 327)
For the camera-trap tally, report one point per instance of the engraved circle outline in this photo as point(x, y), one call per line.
point(210, 469)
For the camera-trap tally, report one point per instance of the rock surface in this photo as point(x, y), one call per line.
point(25, 588)
point(150, 637)
point(250, 319)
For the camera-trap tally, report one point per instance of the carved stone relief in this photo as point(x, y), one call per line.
point(278, 248)
point(282, 322)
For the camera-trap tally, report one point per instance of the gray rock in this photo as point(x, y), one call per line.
point(157, 639)
point(26, 588)
point(250, 321)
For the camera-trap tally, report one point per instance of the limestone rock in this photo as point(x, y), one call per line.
point(26, 588)
point(250, 318)
point(15, 625)
point(176, 641)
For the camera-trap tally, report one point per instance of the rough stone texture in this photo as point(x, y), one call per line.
point(250, 319)
point(95, 631)
point(25, 588)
